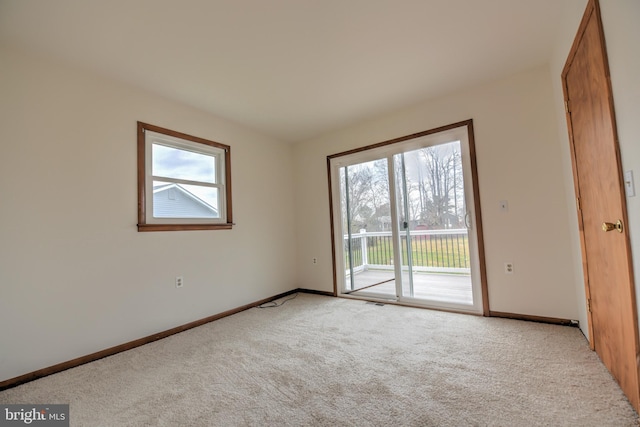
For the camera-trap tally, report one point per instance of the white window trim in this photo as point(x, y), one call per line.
point(152, 138)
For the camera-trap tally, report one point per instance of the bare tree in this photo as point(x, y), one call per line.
point(368, 192)
point(430, 179)
point(439, 187)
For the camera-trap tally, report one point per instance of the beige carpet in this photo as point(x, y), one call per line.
point(336, 362)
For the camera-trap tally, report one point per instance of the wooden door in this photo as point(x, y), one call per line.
point(600, 196)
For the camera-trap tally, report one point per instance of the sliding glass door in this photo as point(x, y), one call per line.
point(366, 224)
point(405, 215)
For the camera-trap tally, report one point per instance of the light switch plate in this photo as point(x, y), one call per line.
point(629, 186)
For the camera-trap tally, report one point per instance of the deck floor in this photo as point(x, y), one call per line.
point(450, 288)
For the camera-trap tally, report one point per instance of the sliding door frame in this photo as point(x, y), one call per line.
point(476, 202)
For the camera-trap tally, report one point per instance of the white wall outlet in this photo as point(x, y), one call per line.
point(179, 281)
point(504, 206)
point(508, 268)
point(315, 260)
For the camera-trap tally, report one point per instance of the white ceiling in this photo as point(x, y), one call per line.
point(292, 69)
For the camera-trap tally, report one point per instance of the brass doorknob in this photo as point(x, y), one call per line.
point(608, 226)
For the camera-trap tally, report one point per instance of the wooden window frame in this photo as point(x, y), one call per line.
point(168, 225)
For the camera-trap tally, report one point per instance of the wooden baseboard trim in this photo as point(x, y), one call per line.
point(539, 319)
point(13, 382)
point(314, 292)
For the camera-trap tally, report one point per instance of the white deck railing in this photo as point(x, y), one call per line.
point(443, 251)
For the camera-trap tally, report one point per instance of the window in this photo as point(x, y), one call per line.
point(184, 182)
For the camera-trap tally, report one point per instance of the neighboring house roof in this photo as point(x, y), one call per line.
point(174, 201)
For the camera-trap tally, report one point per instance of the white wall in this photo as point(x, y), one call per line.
point(622, 35)
point(519, 159)
point(75, 275)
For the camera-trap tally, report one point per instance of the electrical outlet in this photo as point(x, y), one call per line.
point(315, 260)
point(179, 281)
point(508, 268)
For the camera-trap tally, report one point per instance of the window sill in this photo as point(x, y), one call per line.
point(183, 227)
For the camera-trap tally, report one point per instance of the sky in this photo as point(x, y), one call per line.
point(181, 164)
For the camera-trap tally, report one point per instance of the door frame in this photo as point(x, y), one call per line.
point(482, 274)
point(593, 9)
